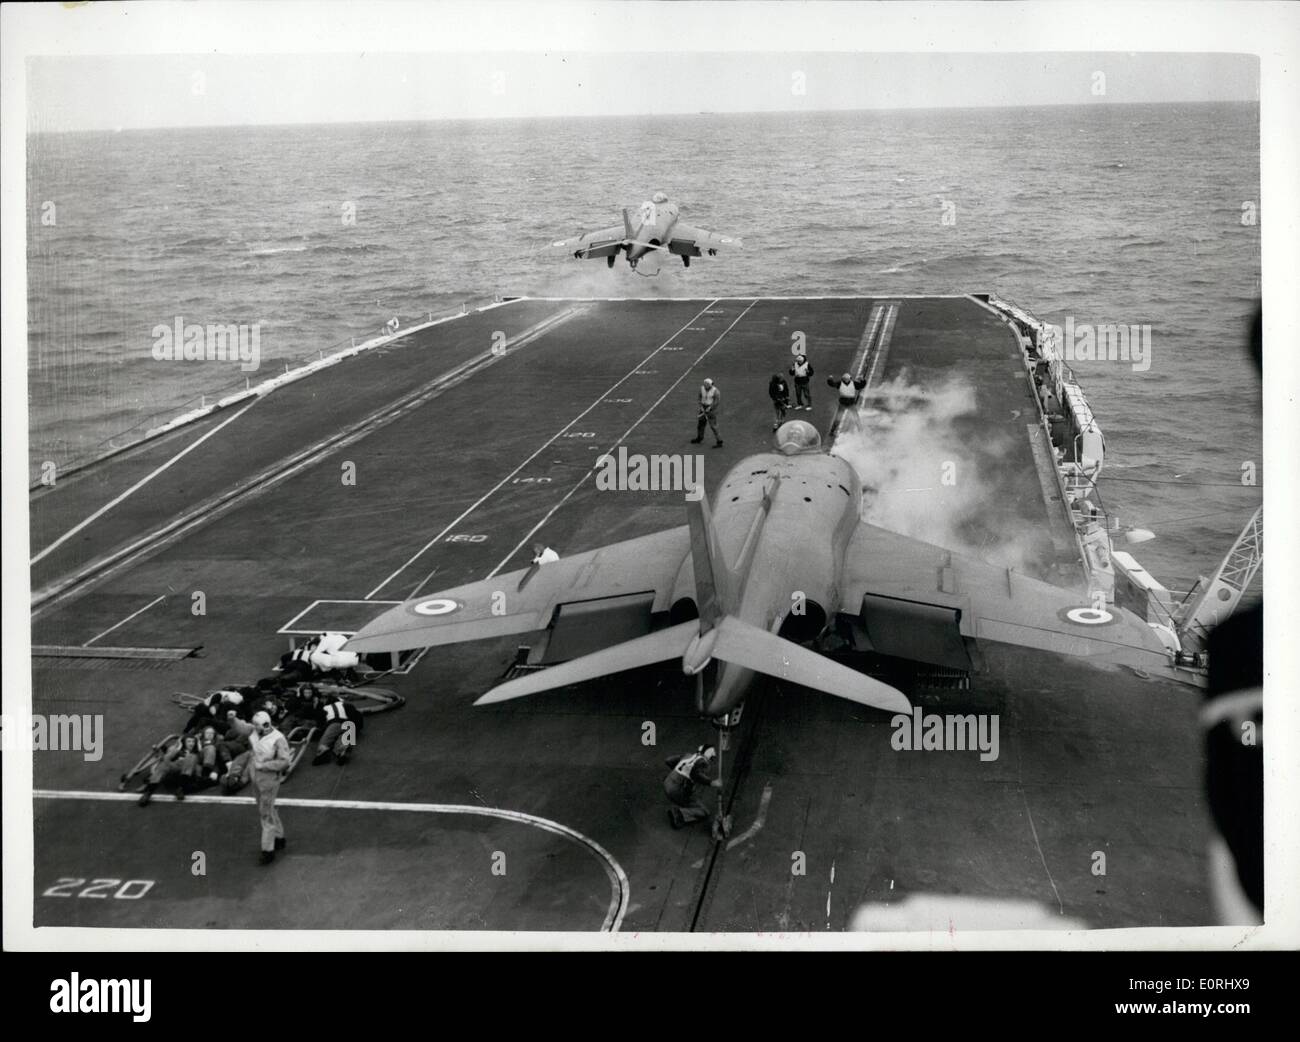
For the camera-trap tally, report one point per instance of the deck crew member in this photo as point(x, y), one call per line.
point(215, 709)
point(342, 724)
point(542, 554)
point(710, 400)
point(847, 388)
point(296, 667)
point(802, 371)
point(779, 391)
point(269, 763)
point(181, 758)
point(688, 771)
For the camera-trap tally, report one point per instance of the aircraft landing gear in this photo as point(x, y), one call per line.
point(609, 261)
point(686, 261)
point(725, 724)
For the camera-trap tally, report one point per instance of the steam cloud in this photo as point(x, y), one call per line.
point(902, 440)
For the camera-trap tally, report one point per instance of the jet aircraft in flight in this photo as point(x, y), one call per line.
point(646, 236)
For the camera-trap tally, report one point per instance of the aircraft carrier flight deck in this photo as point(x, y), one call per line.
point(191, 561)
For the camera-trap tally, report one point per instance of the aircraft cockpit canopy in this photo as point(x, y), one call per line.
point(796, 436)
point(659, 197)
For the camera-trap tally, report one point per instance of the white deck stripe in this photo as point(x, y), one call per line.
point(139, 484)
point(115, 625)
point(619, 885)
point(541, 448)
point(533, 531)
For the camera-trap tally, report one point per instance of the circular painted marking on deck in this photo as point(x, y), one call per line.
point(620, 887)
point(1088, 616)
point(436, 606)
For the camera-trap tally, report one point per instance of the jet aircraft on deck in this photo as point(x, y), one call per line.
point(781, 560)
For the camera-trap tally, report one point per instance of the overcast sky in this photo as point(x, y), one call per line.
point(78, 93)
point(104, 65)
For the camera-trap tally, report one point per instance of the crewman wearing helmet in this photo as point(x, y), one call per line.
point(269, 762)
point(689, 770)
point(847, 387)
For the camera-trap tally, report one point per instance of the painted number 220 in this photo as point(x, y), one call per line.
point(131, 890)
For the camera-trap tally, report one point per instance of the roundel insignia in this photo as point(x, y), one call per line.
point(1086, 616)
point(436, 606)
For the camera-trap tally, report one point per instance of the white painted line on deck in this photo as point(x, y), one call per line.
point(541, 448)
point(115, 625)
point(139, 484)
point(581, 481)
point(620, 888)
point(759, 820)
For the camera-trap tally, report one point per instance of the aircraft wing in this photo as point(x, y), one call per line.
point(692, 242)
point(592, 587)
point(602, 243)
point(921, 602)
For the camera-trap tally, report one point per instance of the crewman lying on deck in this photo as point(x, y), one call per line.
point(214, 710)
point(689, 770)
point(341, 726)
point(321, 654)
point(847, 388)
point(295, 667)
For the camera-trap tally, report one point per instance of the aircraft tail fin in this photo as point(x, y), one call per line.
point(748, 646)
point(659, 646)
point(714, 580)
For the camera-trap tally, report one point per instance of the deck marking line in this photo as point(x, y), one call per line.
point(621, 438)
point(115, 625)
point(891, 314)
point(1034, 832)
point(864, 345)
point(139, 484)
point(760, 820)
point(546, 444)
point(619, 885)
point(268, 478)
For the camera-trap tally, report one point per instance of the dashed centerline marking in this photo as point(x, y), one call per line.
point(541, 448)
point(621, 438)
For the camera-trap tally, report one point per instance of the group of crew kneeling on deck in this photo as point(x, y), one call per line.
point(234, 732)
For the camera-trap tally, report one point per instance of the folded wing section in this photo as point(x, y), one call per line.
point(506, 604)
point(922, 602)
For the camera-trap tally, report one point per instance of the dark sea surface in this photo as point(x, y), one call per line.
point(1107, 213)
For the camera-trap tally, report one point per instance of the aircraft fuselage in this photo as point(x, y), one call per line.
point(792, 584)
point(655, 229)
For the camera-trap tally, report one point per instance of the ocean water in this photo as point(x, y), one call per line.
point(1105, 213)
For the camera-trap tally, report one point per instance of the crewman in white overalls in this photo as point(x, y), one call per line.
point(710, 400)
point(269, 762)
